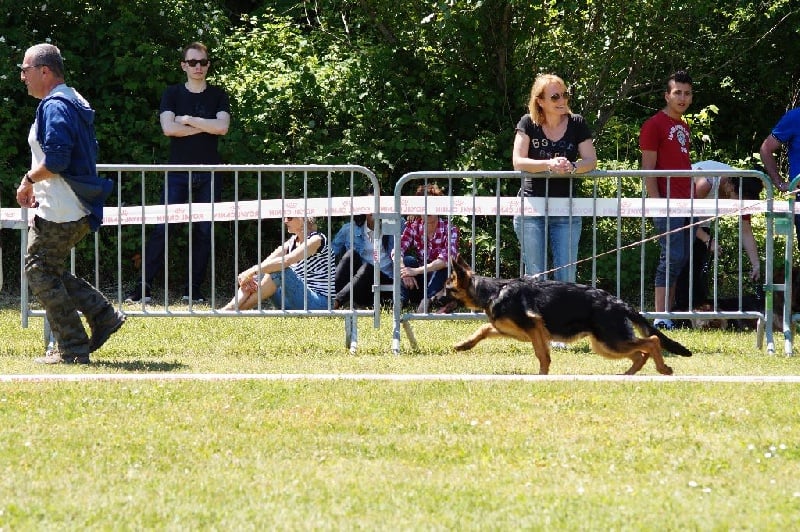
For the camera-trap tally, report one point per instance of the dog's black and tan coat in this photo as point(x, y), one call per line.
point(541, 311)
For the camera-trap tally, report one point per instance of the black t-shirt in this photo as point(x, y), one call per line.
point(542, 148)
point(200, 148)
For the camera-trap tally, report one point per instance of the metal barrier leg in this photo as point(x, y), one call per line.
point(396, 337)
point(354, 335)
point(788, 335)
point(351, 332)
point(410, 333)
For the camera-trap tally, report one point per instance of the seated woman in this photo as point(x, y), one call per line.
point(301, 268)
point(433, 241)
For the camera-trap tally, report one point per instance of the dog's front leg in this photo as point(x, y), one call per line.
point(484, 332)
point(540, 339)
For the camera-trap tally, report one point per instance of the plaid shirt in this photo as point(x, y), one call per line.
point(440, 245)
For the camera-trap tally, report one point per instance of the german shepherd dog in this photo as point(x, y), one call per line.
point(540, 311)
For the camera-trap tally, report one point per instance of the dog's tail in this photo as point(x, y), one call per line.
point(666, 342)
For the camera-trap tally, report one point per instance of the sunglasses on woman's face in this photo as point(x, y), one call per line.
point(557, 96)
point(195, 62)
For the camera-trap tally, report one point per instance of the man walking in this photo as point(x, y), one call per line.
point(665, 141)
point(68, 195)
point(193, 115)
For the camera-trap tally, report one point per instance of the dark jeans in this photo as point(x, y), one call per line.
point(436, 282)
point(62, 294)
point(699, 269)
point(360, 285)
point(176, 190)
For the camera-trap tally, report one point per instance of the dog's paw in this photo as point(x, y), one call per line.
point(463, 346)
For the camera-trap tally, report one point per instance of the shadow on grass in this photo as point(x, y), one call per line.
point(143, 365)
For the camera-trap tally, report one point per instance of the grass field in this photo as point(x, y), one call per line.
point(635, 454)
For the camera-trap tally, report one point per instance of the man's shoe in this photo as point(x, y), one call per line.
point(196, 298)
point(663, 324)
point(135, 295)
point(103, 330)
point(54, 356)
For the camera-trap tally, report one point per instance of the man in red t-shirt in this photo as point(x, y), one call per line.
point(665, 141)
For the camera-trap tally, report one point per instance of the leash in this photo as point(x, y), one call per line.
point(665, 234)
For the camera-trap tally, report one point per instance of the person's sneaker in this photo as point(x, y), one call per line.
point(103, 330)
point(663, 324)
point(54, 356)
point(197, 297)
point(135, 295)
point(558, 345)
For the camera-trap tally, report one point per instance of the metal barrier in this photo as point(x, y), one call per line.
point(484, 202)
point(261, 194)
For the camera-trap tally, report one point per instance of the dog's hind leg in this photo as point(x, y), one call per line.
point(639, 360)
point(636, 355)
point(655, 353)
point(637, 350)
point(485, 331)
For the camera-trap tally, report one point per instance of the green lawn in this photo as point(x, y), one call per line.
point(342, 454)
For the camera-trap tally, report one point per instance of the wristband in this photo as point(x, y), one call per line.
point(28, 178)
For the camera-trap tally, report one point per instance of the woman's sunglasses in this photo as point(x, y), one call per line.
point(557, 96)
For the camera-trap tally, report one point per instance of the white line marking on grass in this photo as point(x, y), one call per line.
point(72, 377)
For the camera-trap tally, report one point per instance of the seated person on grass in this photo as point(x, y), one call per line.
point(299, 270)
point(355, 272)
point(426, 245)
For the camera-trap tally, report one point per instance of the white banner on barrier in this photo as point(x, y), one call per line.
point(416, 205)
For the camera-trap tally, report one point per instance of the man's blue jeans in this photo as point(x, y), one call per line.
point(564, 233)
point(670, 266)
point(176, 191)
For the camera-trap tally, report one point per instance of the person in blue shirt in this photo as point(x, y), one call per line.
point(68, 195)
point(785, 133)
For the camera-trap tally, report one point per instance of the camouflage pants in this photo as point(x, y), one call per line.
point(62, 294)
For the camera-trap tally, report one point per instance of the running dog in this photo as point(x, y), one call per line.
point(540, 311)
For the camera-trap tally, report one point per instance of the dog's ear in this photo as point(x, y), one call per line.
point(460, 268)
point(459, 263)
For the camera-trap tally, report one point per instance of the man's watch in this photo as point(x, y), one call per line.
point(28, 178)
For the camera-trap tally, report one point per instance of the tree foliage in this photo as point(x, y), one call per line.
point(402, 85)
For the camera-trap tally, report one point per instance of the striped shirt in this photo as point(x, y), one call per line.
point(316, 270)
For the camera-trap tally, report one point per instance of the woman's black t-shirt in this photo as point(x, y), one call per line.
point(542, 148)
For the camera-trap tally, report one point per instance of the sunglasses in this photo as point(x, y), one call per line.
point(557, 96)
point(195, 62)
point(24, 69)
